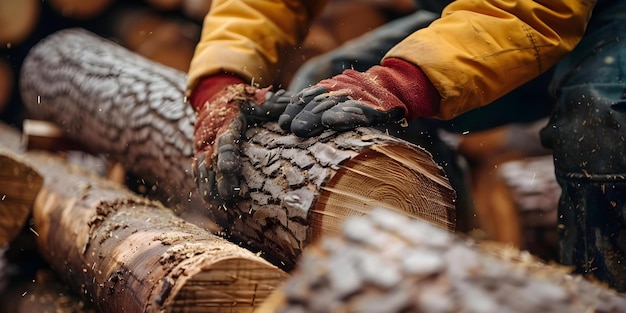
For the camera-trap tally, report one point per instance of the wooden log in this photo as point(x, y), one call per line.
point(119, 250)
point(18, 19)
point(19, 186)
point(385, 262)
point(80, 9)
point(492, 156)
point(44, 135)
point(293, 189)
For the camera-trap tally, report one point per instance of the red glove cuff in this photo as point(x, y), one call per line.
point(409, 83)
point(209, 87)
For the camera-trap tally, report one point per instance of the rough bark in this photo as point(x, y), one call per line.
point(122, 251)
point(385, 262)
point(294, 189)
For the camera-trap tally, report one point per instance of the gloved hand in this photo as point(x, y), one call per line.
point(395, 91)
point(225, 106)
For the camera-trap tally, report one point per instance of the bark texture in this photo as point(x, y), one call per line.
point(294, 189)
point(385, 262)
point(126, 253)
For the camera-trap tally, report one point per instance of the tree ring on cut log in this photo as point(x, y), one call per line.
point(381, 178)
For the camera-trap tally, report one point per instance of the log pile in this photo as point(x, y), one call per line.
point(119, 250)
point(116, 102)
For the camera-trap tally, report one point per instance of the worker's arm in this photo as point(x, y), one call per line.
point(243, 43)
point(476, 52)
point(480, 50)
point(250, 38)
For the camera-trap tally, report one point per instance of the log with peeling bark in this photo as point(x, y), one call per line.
point(385, 262)
point(293, 189)
point(122, 251)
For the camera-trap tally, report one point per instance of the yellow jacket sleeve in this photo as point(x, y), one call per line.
point(250, 38)
point(480, 50)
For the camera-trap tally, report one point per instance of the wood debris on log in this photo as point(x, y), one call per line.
point(386, 262)
point(294, 189)
point(119, 250)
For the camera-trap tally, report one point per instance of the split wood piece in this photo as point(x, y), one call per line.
point(18, 19)
point(45, 293)
point(19, 186)
point(44, 135)
point(80, 9)
point(385, 262)
point(123, 251)
point(7, 82)
point(293, 189)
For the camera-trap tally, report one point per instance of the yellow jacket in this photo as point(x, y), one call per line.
point(476, 52)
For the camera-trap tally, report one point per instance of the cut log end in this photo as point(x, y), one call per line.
point(386, 176)
point(241, 285)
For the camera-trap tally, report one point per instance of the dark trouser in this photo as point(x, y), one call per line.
point(587, 132)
